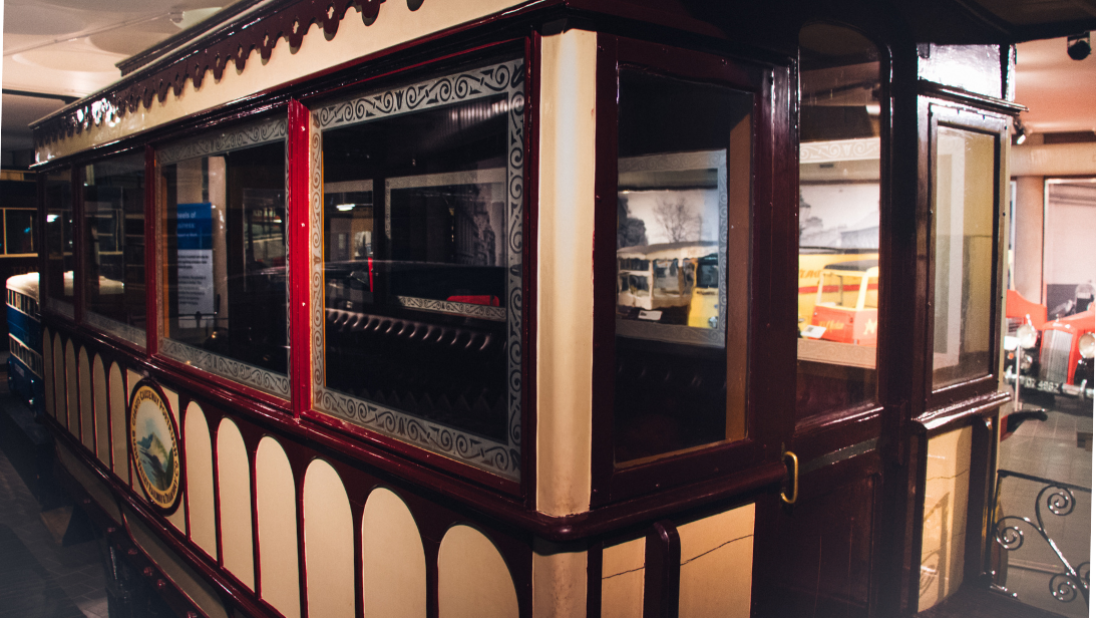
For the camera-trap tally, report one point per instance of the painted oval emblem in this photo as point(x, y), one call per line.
point(155, 449)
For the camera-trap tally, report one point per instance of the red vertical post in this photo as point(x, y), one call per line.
point(153, 280)
point(298, 207)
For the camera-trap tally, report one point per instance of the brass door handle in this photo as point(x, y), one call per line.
point(795, 479)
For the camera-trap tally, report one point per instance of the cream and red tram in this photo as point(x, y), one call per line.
point(340, 315)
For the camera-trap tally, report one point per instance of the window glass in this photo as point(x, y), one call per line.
point(838, 306)
point(963, 214)
point(683, 208)
point(19, 231)
point(59, 239)
point(114, 279)
point(225, 255)
point(421, 266)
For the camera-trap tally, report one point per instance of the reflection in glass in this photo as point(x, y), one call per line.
point(838, 220)
point(226, 257)
point(963, 214)
point(19, 231)
point(114, 209)
point(59, 241)
point(422, 270)
point(683, 209)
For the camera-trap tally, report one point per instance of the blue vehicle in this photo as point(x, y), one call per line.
point(25, 373)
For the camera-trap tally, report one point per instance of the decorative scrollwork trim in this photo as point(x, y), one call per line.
point(276, 384)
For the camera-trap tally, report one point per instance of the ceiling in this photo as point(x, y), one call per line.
point(69, 49)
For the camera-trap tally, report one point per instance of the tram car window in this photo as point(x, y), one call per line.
point(60, 248)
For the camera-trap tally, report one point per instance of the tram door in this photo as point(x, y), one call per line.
point(815, 543)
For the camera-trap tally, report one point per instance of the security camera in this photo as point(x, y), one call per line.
point(1078, 46)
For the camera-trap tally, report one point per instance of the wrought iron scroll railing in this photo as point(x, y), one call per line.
point(1060, 500)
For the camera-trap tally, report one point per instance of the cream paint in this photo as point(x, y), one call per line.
point(101, 413)
point(87, 414)
point(47, 372)
point(715, 551)
point(393, 561)
point(72, 390)
point(193, 586)
point(559, 581)
point(60, 402)
point(276, 517)
point(565, 300)
point(622, 575)
point(943, 533)
point(486, 591)
point(90, 482)
point(234, 493)
point(119, 432)
point(395, 24)
point(199, 480)
point(328, 543)
point(132, 379)
point(178, 518)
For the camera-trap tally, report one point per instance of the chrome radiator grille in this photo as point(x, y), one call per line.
point(1054, 356)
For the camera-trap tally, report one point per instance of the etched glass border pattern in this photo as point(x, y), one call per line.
point(130, 334)
point(225, 141)
point(238, 138)
point(503, 459)
point(675, 333)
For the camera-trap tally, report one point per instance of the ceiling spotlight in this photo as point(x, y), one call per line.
point(1078, 46)
point(1019, 132)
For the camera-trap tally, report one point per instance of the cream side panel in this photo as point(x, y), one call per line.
point(622, 575)
point(395, 24)
point(328, 543)
point(47, 371)
point(202, 594)
point(565, 301)
point(559, 582)
point(486, 591)
point(102, 414)
point(276, 501)
point(234, 491)
point(178, 518)
point(947, 487)
point(119, 432)
point(72, 392)
point(715, 551)
point(60, 404)
point(393, 561)
point(199, 480)
point(87, 414)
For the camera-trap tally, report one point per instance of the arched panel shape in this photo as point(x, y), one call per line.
point(234, 493)
point(72, 392)
point(102, 415)
point(87, 414)
point(276, 499)
point(393, 561)
point(47, 371)
point(486, 591)
point(60, 406)
point(328, 543)
point(119, 436)
point(199, 480)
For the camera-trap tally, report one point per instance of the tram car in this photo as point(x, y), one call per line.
point(341, 332)
point(25, 341)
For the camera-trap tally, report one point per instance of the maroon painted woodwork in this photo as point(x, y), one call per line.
point(299, 256)
point(154, 283)
point(662, 571)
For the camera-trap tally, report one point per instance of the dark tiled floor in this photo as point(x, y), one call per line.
point(39, 577)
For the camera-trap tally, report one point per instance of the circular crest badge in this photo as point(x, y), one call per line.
point(154, 445)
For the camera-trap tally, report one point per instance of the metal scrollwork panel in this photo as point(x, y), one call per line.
point(260, 379)
point(133, 335)
point(232, 139)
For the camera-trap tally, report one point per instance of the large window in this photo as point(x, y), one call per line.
point(683, 218)
point(839, 189)
point(224, 222)
point(964, 226)
point(420, 224)
point(59, 239)
point(19, 231)
point(114, 243)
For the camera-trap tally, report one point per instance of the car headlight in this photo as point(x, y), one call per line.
point(1087, 345)
point(1027, 335)
point(1025, 362)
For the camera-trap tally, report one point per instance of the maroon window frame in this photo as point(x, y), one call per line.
point(761, 443)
